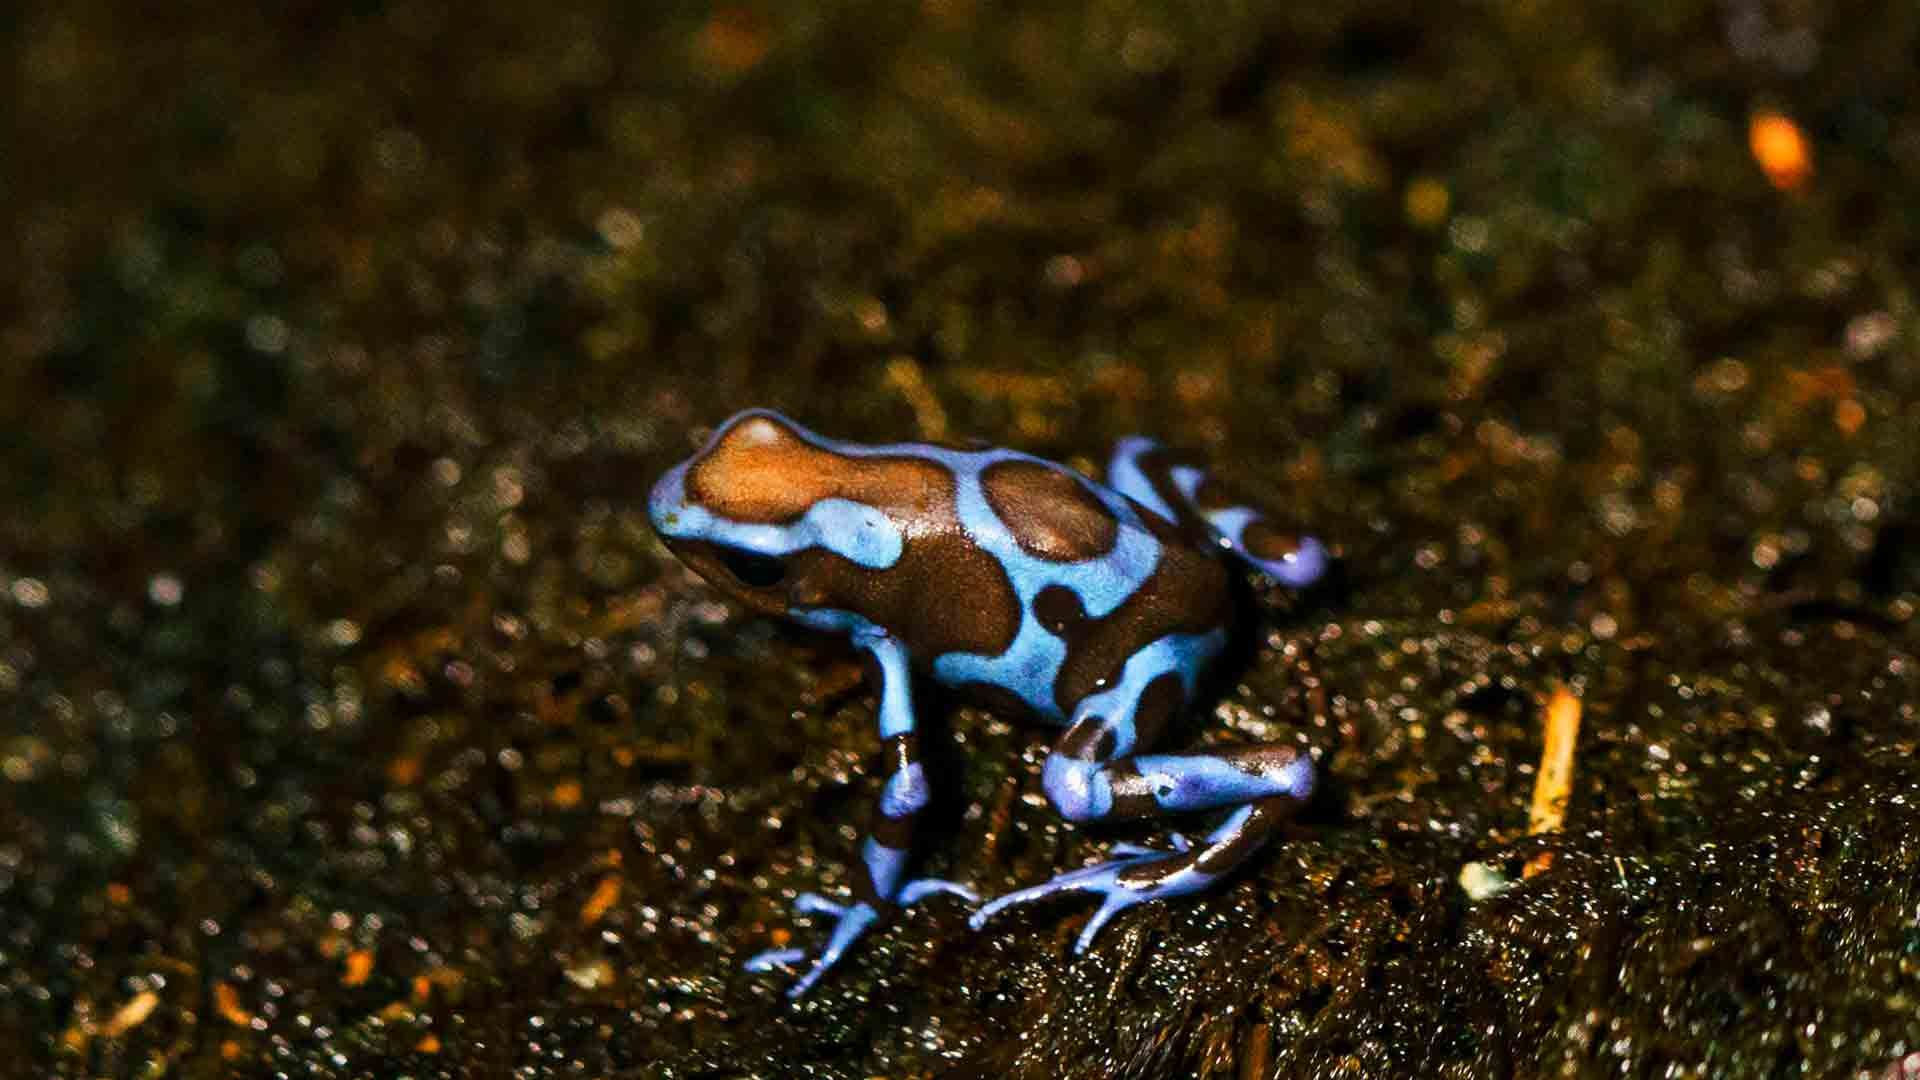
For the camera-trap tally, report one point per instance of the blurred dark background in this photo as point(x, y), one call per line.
point(355, 724)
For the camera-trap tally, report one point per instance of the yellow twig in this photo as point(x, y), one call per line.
point(1554, 780)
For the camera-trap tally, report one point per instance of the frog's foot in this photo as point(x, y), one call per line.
point(850, 922)
point(1139, 875)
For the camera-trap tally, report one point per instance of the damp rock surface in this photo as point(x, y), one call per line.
point(356, 724)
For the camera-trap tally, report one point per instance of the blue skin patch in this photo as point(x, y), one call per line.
point(906, 792)
point(1183, 782)
point(1126, 476)
point(1248, 779)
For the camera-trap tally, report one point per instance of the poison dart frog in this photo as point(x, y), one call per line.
point(1094, 607)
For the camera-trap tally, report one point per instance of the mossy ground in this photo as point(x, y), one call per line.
point(356, 725)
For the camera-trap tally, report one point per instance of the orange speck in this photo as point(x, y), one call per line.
point(1831, 382)
point(625, 756)
point(227, 1003)
point(566, 794)
point(229, 1050)
point(403, 771)
point(734, 40)
point(422, 989)
point(1780, 149)
point(604, 896)
point(119, 894)
point(398, 673)
point(428, 1044)
point(1427, 201)
point(1539, 864)
point(359, 967)
point(1848, 415)
point(132, 1014)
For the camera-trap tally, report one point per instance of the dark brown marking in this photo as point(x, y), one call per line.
point(762, 471)
point(1049, 511)
point(998, 699)
point(1059, 610)
point(902, 750)
point(1218, 858)
point(1263, 541)
point(1159, 703)
point(1187, 593)
point(1132, 792)
point(1089, 739)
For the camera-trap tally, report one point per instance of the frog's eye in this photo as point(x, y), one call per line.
point(753, 570)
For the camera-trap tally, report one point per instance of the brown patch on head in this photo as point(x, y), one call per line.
point(1049, 512)
point(763, 471)
point(1263, 541)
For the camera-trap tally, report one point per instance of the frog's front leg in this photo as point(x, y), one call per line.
point(879, 887)
point(1094, 775)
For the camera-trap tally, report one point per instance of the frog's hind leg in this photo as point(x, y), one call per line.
point(1093, 775)
point(1180, 491)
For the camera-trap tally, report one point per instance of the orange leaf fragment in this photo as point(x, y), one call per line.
point(132, 1014)
point(1780, 149)
point(226, 1001)
point(604, 896)
point(359, 967)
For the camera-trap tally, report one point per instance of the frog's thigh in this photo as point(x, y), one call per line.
point(1093, 775)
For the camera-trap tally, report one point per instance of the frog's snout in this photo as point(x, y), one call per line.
point(666, 500)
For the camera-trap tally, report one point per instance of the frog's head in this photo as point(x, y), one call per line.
point(777, 517)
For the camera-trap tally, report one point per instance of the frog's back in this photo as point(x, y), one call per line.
point(1095, 575)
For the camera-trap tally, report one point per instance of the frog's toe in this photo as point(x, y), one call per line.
point(1114, 904)
point(773, 958)
point(812, 903)
point(1122, 883)
point(1100, 878)
point(915, 891)
point(853, 920)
